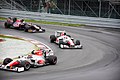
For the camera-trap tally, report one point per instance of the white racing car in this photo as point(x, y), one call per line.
point(24, 63)
point(64, 40)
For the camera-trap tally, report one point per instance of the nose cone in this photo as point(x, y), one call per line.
point(71, 42)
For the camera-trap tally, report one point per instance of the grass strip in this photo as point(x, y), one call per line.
point(54, 23)
point(5, 36)
point(48, 22)
point(2, 18)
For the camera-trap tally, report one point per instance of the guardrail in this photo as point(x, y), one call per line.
point(92, 21)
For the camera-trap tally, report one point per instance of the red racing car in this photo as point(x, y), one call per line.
point(15, 23)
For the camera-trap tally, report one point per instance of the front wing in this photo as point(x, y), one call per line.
point(16, 69)
point(35, 31)
point(70, 47)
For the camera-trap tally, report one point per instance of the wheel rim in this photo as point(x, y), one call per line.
point(27, 66)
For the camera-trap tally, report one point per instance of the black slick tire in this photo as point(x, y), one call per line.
point(52, 60)
point(52, 38)
point(6, 61)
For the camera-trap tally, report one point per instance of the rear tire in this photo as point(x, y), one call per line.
point(5, 24)
point(6, 61)
point(52, 60)
point(52, 38)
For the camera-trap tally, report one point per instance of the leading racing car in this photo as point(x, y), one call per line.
point(35, 59)
point(20, 24)
point(64, 40)
point(15, 23)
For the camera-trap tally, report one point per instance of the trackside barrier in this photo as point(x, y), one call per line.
point(92, 21)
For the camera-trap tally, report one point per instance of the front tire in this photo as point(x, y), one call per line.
point(77, 42)
point(43, 30)
point(26, 30)
point(61, 44)
point(6, 61)
point(26, 65)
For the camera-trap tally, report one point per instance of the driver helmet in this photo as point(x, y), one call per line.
point(38, 52)
point(62, 34)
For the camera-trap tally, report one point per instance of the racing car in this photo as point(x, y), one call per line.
point(15, 23)
point(24, 63)
point(20, 24)
point(64, 40)
point(32, 28)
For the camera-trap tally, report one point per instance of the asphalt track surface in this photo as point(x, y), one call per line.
point(98, 60)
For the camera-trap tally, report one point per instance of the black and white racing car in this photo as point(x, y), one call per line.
point(64, 40)
point(24, 63)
